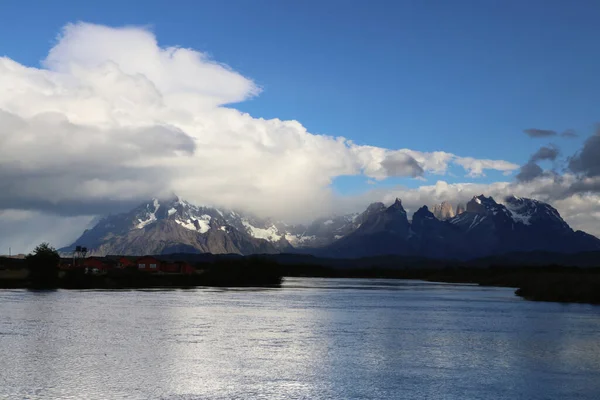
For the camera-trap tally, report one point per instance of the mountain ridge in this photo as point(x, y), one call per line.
point(485, 228)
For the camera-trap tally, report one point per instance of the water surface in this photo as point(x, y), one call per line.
point(311, 339)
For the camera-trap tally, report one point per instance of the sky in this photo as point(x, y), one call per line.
point(293, 110)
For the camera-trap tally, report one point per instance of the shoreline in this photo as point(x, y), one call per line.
point(551, 284)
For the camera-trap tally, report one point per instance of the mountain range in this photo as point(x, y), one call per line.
point(482, 228)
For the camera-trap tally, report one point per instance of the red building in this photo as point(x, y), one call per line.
point(177, 267)
point(124, 262)
point(145, 263)
point(101, 264)
point(148, 263)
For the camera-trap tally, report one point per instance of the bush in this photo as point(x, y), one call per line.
point(43, 266)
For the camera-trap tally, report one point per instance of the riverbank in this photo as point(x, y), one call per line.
point(241, 273)
point(539, 283)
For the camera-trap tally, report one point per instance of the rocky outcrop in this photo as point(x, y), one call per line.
point(382, 231)
point(435, 238)
point(443, 211)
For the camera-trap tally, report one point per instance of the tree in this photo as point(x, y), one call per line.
point(43, 265)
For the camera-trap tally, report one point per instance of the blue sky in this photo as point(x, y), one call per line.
point(464, 77)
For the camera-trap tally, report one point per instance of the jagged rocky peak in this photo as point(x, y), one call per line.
point(423, 213)
point(460, 208)
point(481, 204)
point(422, 219)
point(443, 211)
point(485, 227)
point(375, 207)
point(397, 206)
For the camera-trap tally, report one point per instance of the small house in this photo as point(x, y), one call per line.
point(124, 262)
point(177, 267)
point(148, 264)
point(99, 264)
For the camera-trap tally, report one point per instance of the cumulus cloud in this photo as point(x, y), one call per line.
point(176, 73)
point(475, 167)
point(539, 133)
point(113, 118)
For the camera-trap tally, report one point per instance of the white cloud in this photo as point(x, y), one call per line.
point(435, 162)
point(114, 118)
point(178, 74)
point(475, 167)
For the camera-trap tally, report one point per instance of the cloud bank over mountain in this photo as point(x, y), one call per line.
point(111, 118)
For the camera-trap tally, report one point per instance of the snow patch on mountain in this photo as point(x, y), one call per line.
point(271, 233)
point(476, 221)
point(150, 216)
point(187, 224)
point(522, 210)
point(521, 218)
point(143, 224)
point(300, 240)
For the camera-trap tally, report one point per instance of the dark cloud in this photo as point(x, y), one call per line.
point(401, 164)
point(71, 208)
point(532, 170)
point(587, 161)
point(569, 133)
point(539, 133)
point(585, 185)
point(545, 153)
point(529, 172)
point(85, 171)
point(67, 193)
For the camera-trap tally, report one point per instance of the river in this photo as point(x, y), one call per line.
point(309, 339)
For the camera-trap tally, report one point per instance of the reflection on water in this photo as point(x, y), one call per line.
point(310, 339)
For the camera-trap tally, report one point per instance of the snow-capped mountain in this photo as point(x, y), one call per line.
point(485, 228)
point(168, 225)
point(534, 212)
